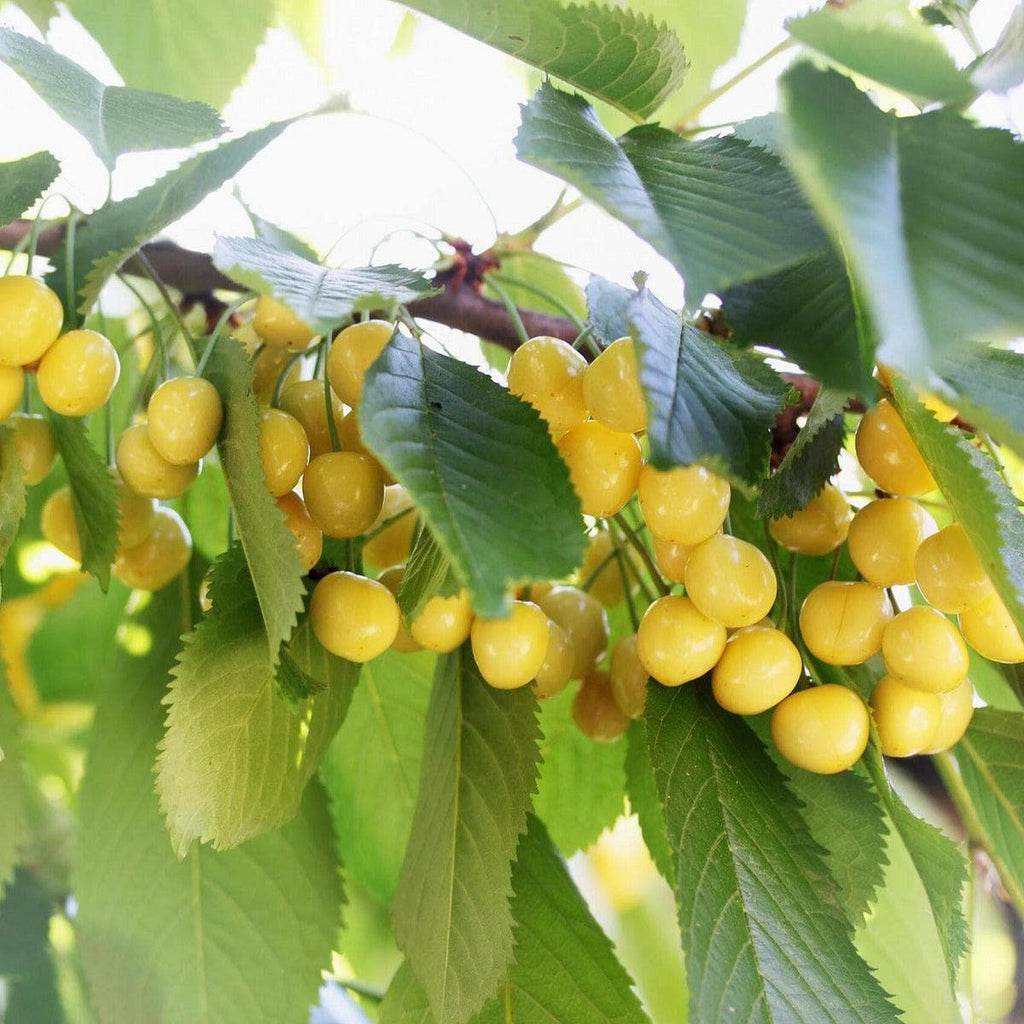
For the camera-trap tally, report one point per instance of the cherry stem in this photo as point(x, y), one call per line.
point(543, 293)
point(332, 427)
point(513, 313)
point(641, 549)
point(154, 326)
point(172, 306)
point(225, 317)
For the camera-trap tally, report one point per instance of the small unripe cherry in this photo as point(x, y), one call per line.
point(443, 623)
point(611, 389)
point(989, 628)
point(354, 617)
point(888, 455)
point(604, 466)
point(949, 572)
point(30, 319)
point(304, 399)
point(344, 493)
point(153, 563)
point(309, 540)
point(556, 670)
point(818, 528)
point(842, 623)
point(185, 416)
point(907, 719)
point(759, 667)
point(884, 538)
point(279, 327)
point(35, 445)
point(146, 471)
point(549, 373)
point(956, 708)
point(685, 505)
point(628, 678)
point(509, 652)
point(284, 451)
point(594, 709)
point(824, 729)
point(676, 642)
point(12, 388)
point(923, 649)
point(77, 373)
point(730, 580)
point(352, 353)
point(585, 622)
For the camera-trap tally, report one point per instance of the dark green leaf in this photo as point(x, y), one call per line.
point(580, 789)
point(564, 969)
point(1002, 67)
point(807, 312)
point(978, 497)
point(427, 572)
point(934, 269)
point(608, 309)
point(116, 230)
point(720, 210)
point(451, 912)
point(22, 182)
point(26, 965)
point(372, 768)
point(885, 40)
point(764, 937)
point(226, 937)
point(113, 120)
point(479, 465)
point(269, 546)
point(989, 386)
point(235, 759)
point(706, 403)
point(989, 758)
point(92, 495)
point(12, 812)
point(205, 58)
point(321, 296)
point(644, 802)
point(810, 462)
point(617, 55)
point(12, 491)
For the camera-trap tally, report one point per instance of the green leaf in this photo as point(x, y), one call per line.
point(885, 40)
point(479, 465)
point(12, 811)
point(235, 759)
point(807, 312)
point(939, 863)
point(22, 182)
point(810, 462)
point(617, 55)
point(934, 269)
point(1002, 67)
point(278, 237)
point(321, 296)
point(541, 276)
point(580, 788)
point(41, 12)
point(564, 970)
point(372, 768)
point(30, 981)
point(12, 491)
point(427, 572)
point(979, 498)
point(274, 564)
point(304, 19)
point(112, 119)
point(608, 309)
point(899, 930)
point(706, 402)
point(720, 210)
point(226, 937)
point(989, 386)
point(196, 57)
point(761, 928)
point(990, 766)
point(451, 912)
point(111, 234)
point(92, 496)
point(644, 802)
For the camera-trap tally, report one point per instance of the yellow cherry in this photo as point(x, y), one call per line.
point(153, 563)
point(676, 642)
point(923, 649)
point(949, 572)
point(611, 389)
point(730, 580)
point(309, 540)
point(509, 652)
point(30, 319)
point(888, 455)
point(759, 667)
point(279, 327)
point(443, 623)
point(57, 523)
point(549, 373)
point(956, 708)
point(267, 368)
point(818, 528)
point(556, 670)
point(35, 445)
point(12, 387)
point(305, 400)
point(403, 642)
point(594, 709)
point(991, 631)
point(352, 353)
point(685, 505)
point(146, 471)
point(884, 538)
point(391, 546)
point(842, 623)
point(907, 719)
point(824, 729)
point(185, 416)
point(354, 617)
point(604, 466)
point(628, 678)
point(77, 373)
point(671, 558)
point(284, 451)
point(585, 622)
point(344, 493)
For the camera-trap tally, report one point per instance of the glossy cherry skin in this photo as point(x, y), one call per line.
point(842, 623)
point(676, 642)
point(824, 729)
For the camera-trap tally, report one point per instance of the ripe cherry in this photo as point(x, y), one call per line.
point(595, 711)
point(923, 649)
point(604, 466)
point(884, 538)
point(730, 580)
point(842, 623)
point(30, 319)
point(685, 505)
point(344, 493)
point(759, 667)
point(354, 617)
point(888, 455)
point(146, 471)
point(352, 353)
point(77, 373)
point(907, 719)
point(549, 373)
point(818, 528)
point(676, 642)
point(509, 652)
point(824, 729)
point(153, 563)
point(185, 416)
point(611, 389)
point(279, 327)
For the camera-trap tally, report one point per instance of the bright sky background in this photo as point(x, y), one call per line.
point(432, 150)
